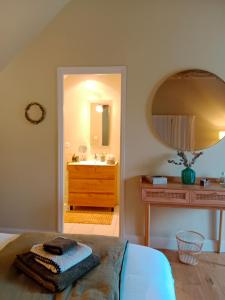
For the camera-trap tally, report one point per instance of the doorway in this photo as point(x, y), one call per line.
point(91, 106)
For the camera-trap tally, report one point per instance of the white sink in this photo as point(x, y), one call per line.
point(90, 163)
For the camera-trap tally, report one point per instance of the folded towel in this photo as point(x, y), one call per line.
point(54, 282)
point(60, 263)
point(59, 245)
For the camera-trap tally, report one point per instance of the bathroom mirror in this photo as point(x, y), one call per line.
point(188, 110)
point(100, 124)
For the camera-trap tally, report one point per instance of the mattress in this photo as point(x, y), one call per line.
point(146, 273)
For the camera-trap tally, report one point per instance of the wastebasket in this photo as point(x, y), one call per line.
point(190, 245)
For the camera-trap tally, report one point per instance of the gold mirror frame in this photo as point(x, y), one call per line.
point(188, 110)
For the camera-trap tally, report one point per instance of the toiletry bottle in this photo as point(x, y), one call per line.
point(222, 178)
point(102, 157)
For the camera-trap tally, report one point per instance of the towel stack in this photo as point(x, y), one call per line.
point(58, 263)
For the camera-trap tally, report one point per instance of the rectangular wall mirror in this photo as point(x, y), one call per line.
point(100, 125)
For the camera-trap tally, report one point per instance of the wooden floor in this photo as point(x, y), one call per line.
point(205, 281)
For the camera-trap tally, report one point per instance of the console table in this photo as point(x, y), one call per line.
point(176, 194)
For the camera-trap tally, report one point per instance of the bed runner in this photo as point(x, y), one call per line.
point(102, 283)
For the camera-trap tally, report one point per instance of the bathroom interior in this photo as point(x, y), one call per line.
point(92, 107)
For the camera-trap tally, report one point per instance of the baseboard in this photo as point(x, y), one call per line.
point(171, 244)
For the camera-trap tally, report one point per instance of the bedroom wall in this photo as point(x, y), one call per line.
point(153, 39)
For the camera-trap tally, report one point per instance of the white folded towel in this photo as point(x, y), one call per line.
point(60, 263)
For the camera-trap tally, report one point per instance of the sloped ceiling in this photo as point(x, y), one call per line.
point(22, 20)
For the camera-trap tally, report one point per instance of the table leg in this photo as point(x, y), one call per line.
point(220, 231)
point(147, 224)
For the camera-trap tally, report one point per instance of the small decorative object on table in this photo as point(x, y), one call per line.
point(110, 159)
point(188, 174)
point(222, 179)
point(102, 157)
point(75, 158)
point(159, 180)
point(204, 181)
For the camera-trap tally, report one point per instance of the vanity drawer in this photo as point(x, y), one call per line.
point(90, 185)
point(92, 199)
point(81, 171)
point(208, 198)
point(104, 172)
point(165, 196)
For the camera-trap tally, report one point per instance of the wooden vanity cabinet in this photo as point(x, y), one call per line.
point(92, 185)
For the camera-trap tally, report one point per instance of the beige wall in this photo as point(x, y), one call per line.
point(153, 39)
point(76, 111)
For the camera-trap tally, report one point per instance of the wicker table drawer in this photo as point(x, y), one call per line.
point(207, 198)
point(165, 196)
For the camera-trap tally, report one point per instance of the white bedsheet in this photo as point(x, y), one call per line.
point(146, 275)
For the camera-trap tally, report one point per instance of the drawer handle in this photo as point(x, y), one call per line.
point(213, 194)
point(156, 192)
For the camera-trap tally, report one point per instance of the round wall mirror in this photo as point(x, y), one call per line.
point(188, 110)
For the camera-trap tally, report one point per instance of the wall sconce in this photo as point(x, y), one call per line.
point(221, 134)
point(99, 108)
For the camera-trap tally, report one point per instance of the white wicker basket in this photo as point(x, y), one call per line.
point(189, 244)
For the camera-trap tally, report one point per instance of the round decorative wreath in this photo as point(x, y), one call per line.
point(28, 117)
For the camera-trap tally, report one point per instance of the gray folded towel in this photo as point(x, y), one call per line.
point(60, 263)
point(59, 245)
point(54, 282)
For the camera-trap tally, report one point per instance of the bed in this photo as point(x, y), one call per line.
point(145, 274)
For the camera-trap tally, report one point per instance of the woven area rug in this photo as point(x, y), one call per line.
point(87, 215)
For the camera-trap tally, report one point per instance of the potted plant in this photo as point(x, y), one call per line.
point(188, 174)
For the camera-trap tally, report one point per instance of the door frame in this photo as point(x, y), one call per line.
point(61, 71)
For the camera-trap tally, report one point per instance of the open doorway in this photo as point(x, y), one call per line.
point(90, 109)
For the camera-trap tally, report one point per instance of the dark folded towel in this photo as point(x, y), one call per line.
point(59, 245)
point(54, 282)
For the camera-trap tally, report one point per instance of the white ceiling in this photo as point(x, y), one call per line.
point(22, 20)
